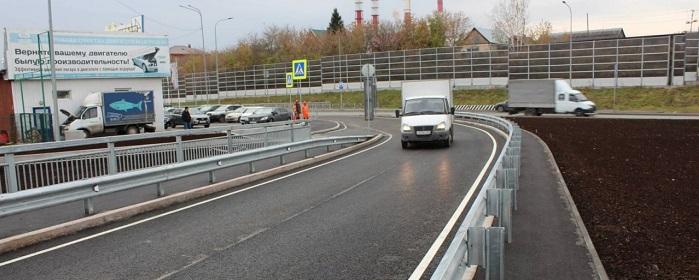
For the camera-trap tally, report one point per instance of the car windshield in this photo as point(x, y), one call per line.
point(80, 112)
point(580, 97)
point(425, 106)
point(240, 110)
point(264, 111)
point(195, 111)
point(208, 108)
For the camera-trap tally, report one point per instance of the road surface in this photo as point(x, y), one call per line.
point(370, 215)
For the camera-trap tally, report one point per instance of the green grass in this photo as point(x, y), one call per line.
point(640, 99)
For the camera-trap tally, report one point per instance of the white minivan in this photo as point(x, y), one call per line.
point(428, 112)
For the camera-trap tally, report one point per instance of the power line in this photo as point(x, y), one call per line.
point(151, 19)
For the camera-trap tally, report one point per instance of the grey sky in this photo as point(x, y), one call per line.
point(637, 17)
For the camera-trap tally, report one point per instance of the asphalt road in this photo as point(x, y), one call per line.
point(372, 215)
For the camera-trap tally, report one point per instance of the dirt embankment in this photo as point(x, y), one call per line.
point(636, 185)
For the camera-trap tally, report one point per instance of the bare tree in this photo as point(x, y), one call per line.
point(458, 25)
point(510, 21)
point(540, 33)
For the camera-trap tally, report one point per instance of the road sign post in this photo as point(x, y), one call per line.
point(289, 84)
point(299, 72)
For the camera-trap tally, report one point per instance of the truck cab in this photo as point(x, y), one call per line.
point(127, 112)
point(87, 121)
point(569, 100)
point(428, 113)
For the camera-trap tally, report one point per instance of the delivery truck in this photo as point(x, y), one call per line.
point(536, 97)
point(110, 112)
point(427, 112)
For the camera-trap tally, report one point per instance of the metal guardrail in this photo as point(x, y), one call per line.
point(23, 174)
point(475, 244)
point(87, 190)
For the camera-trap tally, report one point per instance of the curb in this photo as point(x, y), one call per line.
point(597, 265)
point(26, 239)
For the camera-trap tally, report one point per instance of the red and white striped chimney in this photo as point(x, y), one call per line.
point(407, 11)
point(375, 12)
point(440, 6)
point(359, 12)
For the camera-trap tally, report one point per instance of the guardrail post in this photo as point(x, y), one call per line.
point(495, 252)
point(252, 167)
point(179, 149)
point(89, 206)
point(266, 141)
point(111, 159)
point(306, 153)
point(229, 136)
point(475, 244)
point(292, 132)
point(282, 161)
point(11, 173)
point(161, 191)
point(499, 204)
point(212, 177)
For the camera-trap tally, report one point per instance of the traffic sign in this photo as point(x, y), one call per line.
point(299, 69)
point(368, 70)
point(289, 80)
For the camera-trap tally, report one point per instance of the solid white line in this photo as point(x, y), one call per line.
point(390, 136)
point(427, 259)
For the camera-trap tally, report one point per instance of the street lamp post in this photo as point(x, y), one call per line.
point(203, 46)
point(54, 95)
point(570, 47)
point(218, 89)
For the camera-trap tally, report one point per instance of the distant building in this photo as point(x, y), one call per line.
point(479, 39)
point(592, 35)
point(180, 53)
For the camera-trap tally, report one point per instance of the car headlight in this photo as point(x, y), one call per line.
point(406, 128)
point(441, 126)
point(264, 118)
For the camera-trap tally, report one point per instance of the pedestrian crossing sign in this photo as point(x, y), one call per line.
point(289, 80)
point(299, 69)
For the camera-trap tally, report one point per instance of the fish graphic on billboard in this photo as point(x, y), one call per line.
point(123, 105)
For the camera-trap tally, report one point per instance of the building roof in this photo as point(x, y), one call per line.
point(479, 35)
point(184, 50)
point(319, 32)
point(597, 34)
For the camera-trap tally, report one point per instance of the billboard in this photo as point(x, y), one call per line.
point(87, 55)
point(122, 108)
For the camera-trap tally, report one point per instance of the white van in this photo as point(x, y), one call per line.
point(428, 112)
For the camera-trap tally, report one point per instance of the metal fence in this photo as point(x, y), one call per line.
point(641, 61)
point(19, 173)
point(87, 190)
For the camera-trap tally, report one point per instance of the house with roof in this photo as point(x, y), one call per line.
point(479, 39)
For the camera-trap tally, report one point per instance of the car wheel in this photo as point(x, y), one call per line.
point(500, 108)
point(579, 112)
point(404, 144)
point(173, 125)
point(86, 134)
point(207, 126)
point(132, 130)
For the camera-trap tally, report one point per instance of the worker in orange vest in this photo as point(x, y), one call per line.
point(297, 110)
point(306, 110)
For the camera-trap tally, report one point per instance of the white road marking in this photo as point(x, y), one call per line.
point(427, 259)
point(390, 136)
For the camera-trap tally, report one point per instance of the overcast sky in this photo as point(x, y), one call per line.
point(637, 17)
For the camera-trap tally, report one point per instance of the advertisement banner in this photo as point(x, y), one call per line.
point(121, 108)
point(87, 55)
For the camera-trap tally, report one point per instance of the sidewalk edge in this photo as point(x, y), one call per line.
point(601, 273)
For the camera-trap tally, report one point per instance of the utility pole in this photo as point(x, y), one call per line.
point(587, 15)
point(218, 88)
point(203, 47)
point(54, 94)
point(691, 22)
point(570, 47)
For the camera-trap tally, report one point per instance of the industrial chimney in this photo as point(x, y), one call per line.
point(440, 6)
point(375, 12)
point(407, 14)
point(359, 16)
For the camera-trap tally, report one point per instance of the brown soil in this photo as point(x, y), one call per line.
point(636, 185)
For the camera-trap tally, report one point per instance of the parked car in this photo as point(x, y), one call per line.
point(219, 115)
point(502, 107)
point(207, 108)
point(174, 118)
point(267, 114)
point(240, 112)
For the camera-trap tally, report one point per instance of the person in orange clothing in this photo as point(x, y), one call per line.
point(306, 110)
